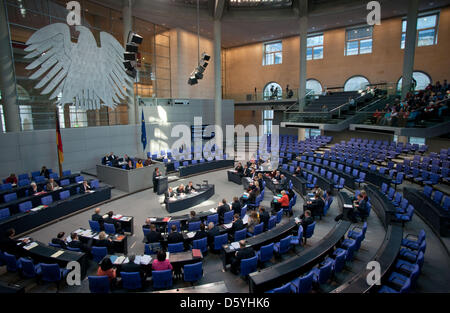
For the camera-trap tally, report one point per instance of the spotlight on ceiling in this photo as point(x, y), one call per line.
point(192, 80)
point(197, 74)
point(205, 56)
point(135, 38)
point(131, 47)
point(131, 54)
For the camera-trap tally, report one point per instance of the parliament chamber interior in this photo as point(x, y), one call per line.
point(224, 146)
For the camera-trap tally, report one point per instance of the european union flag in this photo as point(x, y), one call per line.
point(143, 132)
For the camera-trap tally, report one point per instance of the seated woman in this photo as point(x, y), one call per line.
point(106, 269)
point(298, 171)
point(139, 164)
point(12, 179)
point(161, 263)
point(180, 189)
point(129, 165)
point(253, 220)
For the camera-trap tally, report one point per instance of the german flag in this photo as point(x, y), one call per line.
point(59, 141)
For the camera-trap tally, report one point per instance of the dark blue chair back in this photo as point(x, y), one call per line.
point(64, 182)
point(64, 194)
point(249, 265)
point(193, 272)
point(162, 279)
point(194, 226)
point(175, 247)
point(28, 269)
point(272, 222)
point(310, 230)
point(98, 284)
point(201, 244)
point(240, 234)
point(219, 241)
point(98, 253)
point(266, 253)
point(283, 289)
point(94, 225)
point(4, 213)
point(131, 280)
point(51, 272)
point(47, 200)
point(10, 197)
point(25, 206)
point(212, 218)
point(228, 217)
point(11, 262)
point(109, 228)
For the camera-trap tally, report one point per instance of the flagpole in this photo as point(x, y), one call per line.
point(58, 132)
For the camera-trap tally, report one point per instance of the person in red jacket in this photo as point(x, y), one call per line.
point(12, 179)
point(284, 200)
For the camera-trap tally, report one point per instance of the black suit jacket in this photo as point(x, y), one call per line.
point(105, 243)
point(83, 189)
point(264, 218)
point(175, 237)
point(153, 236)
point(200, 235)
point(306, 221)
point(8, 245)
point(78, 244)
point(60, 242)
point(98, 218)
point(236, 207)
point(189, 189)
point(131, 267)
point(211, 234)
point(168, 195)
point(245, 253)
point(238, 225)
point(221, 211)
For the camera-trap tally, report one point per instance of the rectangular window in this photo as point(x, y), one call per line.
point(417, 140)
point(427, 29)
point(26, 117)
point(2, 118)
point(311, 132)
point(314, 47)
point(62, 122)
point(78, 117)
point(267, 121)
point(273, 53)
point(359, 41)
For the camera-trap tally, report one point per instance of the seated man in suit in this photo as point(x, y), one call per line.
point(264, 217)
point(246, 171)
point(361, 205)
point(243, 253)
point(148, 161)
point(8, 243)
point(168, 194)
point(132, 267)
point(98, 218)
point(193, 217)
point(153, 236)
point(283, 183)
point(277, 175)
point(213, 231)
point(59, 240)
point(129, 165)
point(147, 223)
point(236, 206)
point(109, 219)
point(103, 241)
point(174, 236)
point(44, 172)
point(222, 209)
point(316, 206)
point(34, 188)
point(298, 171)
point(52, 185)
point(238, 224)
point(85, 188)
point(290, 193)
point(75, 243)
point(156, 174)
point(305, 220)
point(189, 188)
point(200, 234)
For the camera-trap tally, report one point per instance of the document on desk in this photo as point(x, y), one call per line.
point(235, 245)
point(213, 210)
point(117, 216)
point(297, 220)
point(190, 234)
point(152, 219)
point(126, 218)
point(228, 226)
point(245, 219)
point(120, 260)
point(57, 254)
point(137, 259)
point(348, 206)
point(167, 255)
point(30, 245)
point(146, 259)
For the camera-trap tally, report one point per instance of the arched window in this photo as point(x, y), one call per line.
point(422, 80)
point(272, 91)
point(313, 84)
point(356, 83)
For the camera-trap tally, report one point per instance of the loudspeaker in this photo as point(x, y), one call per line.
point(131, 72)
point(128, 65)
point(132, 48)
point(129, 56)
point(137, 39)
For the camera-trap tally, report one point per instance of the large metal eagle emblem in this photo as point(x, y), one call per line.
point(78, 73)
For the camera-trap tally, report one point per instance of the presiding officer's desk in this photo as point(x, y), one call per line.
point(42, 253)
point(189, 200)
point(25, 221)
point(120, 242)
point(430, 211)
point(388, 251)
point(129, 180)
point(273, 235)
point(281, 273)
point(217, 287)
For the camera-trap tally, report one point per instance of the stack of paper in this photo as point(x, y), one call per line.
point(190, 234)
point(146, 259)
point(30, 246)
point(297, 220)
point(227, 226)
point(213, 210)
point(348, 206)
point(117, 216)
point(57, 254)
point(235, 245)
point(120, 260)
point(152, 219)
point(126, 218)
point(245, 219)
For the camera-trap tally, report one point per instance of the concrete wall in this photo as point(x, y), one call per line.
point(183, 60)
point(384, 64)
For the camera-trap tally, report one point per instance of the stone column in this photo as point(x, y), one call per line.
point(127, 27)
point(303, 24)
point(410, 46)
